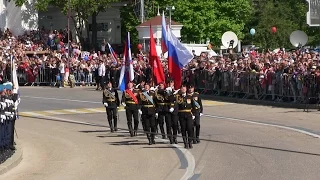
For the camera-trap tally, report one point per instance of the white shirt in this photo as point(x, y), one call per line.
point(103, 48)
point(102, 70)
point(61, 68)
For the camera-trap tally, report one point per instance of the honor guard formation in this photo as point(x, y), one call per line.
point(9, 101)
point(172, 111)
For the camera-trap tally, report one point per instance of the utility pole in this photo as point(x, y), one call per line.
point(142, 20)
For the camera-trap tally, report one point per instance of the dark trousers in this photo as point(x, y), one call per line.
point(175, 125)
point(162, 117)
point(186, 124)
point(132, 113)
point(11, 125)
point(197, 125)
point(112, 114)
point(98, 81)
point(149, 124)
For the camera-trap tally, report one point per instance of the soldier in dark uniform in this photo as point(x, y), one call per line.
point(110, 100)
point(173, 109)
point(140, 86)
point(148, 109)
point(11, 98)
point(163, 115)
point(186, 106)
point(131, 103)
point(197, 112)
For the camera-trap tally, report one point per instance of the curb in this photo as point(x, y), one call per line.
point(13, 161)
point(259, 102)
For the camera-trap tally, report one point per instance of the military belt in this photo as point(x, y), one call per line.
point(185, 110)
point(162, 104)
point(111, 100)
point(148, 106)
point(130, 102)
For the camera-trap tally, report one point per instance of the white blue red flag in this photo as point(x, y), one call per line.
point(178, 57)
point(164, 37)
point(15, 84)
point(113, 55)
point(127, 72)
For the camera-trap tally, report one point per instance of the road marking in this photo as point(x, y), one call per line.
point(264, 124)
point(204, 102)
point(66, 112)
point(97, 109)
point(186, 153)
point(58, 99)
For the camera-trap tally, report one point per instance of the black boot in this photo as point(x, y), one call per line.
point(175, 140)
point(171, 140)
point(186, 145)
point(164, 137)
point(190, 144)
point(194, 140)
point(115, 124)
point(111, 126)
point(152, 139)
point(135, 133)
point(130, 130)
point(198, 140)
point(149, 139)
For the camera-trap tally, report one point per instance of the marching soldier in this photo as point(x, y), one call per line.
point(148, 110)
point(197, 112)
point(185, 105)
point(173, 110)
point(162, 112)
point(131, 103)
point(110, 100)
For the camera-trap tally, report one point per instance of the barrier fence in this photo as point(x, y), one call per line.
point(279, 87)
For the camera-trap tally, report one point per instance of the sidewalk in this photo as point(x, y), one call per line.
point(13, 161)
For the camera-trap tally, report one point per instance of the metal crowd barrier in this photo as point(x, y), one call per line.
point(51, 77)
point(279, 87)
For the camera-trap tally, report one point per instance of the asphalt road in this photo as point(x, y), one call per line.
point(238, 142)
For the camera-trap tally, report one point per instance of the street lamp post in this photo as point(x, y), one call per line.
point(69, 60)
point(170, 9)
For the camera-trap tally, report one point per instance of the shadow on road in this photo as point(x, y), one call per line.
point(135, 142)
point(261, 147)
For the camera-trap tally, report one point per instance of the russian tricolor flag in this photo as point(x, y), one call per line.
point(127, 73)
point(178, 57)
point(164, 39)
point(113, 54)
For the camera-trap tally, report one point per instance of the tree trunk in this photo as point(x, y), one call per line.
point(94, 30)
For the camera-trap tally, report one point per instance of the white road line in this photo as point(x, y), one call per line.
point(189, 157)
point(75, 111)
point(95, 110)
point(53, 112)
point(264, 124)
point(58, 99)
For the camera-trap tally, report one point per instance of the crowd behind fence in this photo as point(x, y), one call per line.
point(275, 86)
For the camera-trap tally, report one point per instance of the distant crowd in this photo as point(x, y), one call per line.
point(54, 60)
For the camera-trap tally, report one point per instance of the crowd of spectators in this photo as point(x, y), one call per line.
point(42, 56)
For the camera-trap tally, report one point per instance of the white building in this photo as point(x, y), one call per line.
point(20, 19)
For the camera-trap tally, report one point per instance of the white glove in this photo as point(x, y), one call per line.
point(156, 115)
point(124, 104)
point(171, 110)
point(176, 91)
point(152, 89)
point(193, 117)
point(201, 114)
point(105, 104)
point(139, 111)
point(169, 90)
point(4, 105)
